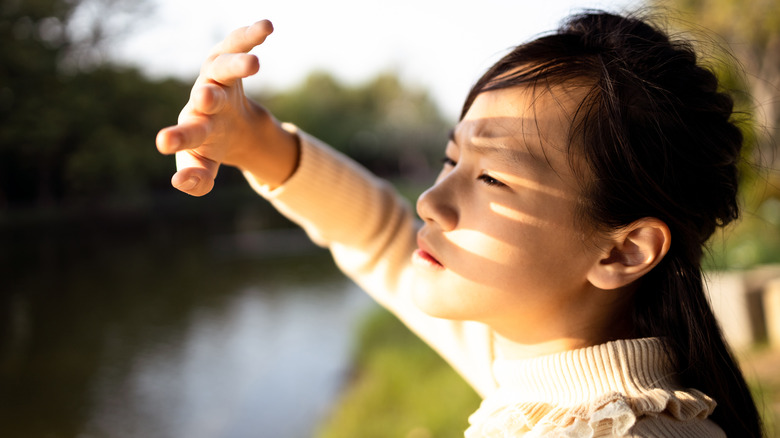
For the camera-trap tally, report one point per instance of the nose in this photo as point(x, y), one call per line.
point(437, 205)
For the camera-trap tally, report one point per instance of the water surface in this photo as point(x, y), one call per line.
point(158, 337)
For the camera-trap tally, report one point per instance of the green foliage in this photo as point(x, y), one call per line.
point(752, 21)
point(67, 133)
point(749, 68)
point(402, 388)
point(114, 153)
point(385, 125)
point(753, 241)
point(767, 396)
point(87, 135)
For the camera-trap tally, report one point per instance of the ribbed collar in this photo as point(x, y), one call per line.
point(626, 366)
point(576, 392)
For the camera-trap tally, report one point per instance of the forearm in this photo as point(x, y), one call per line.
point(338, 201)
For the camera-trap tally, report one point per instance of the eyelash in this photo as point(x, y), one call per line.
point(486, 179)
point(489, 180)
point(447, 161)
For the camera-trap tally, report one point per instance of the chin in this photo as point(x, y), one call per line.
point(437, 305)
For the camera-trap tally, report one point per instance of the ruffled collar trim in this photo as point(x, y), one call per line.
point(580, 392)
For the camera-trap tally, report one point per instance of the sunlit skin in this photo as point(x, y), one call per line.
point(501, 243)
point(220, 125)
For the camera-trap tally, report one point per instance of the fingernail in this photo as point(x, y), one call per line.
point(189, 184)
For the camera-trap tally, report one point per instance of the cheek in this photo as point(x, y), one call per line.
point(496, 257)
point(482, 246)
point(536, 209)
point(502, 253)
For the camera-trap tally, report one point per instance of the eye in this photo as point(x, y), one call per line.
point(447, 161)
point(489, 180)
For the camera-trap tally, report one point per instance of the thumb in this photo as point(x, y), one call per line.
point(195, 175)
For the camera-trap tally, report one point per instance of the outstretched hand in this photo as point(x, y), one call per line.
point(220, 125)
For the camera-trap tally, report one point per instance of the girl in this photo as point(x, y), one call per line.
point(557, 266)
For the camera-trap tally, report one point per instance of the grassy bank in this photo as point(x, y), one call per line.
point(760, 366)
point(400, 388)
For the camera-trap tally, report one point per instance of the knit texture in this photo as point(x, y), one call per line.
point(596, 391)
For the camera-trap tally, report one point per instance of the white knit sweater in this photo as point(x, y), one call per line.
point(621, 388)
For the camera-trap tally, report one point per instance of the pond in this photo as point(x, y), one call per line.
point(235, 336)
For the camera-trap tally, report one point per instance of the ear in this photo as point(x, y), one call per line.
point(630, 253)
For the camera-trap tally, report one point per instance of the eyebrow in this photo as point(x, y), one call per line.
point(507, 155)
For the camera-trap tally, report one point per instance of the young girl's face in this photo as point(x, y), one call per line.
point(500, 242)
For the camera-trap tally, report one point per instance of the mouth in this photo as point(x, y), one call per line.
point(423, 257)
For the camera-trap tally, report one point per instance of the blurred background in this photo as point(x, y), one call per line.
point(128, 309)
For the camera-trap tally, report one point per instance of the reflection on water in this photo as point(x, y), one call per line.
point(162, 340)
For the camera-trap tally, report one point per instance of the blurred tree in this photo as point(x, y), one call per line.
point(57, 96)
point(751, 29)
point(116, 115)
point(389, 127)
point(75, 127)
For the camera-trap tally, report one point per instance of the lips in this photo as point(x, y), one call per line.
point(424, 257)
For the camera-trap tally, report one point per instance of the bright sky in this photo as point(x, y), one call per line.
point(442, 45)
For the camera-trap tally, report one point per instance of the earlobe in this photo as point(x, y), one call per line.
point(631, 253)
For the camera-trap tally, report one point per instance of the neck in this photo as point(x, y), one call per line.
point(508, 349)
point(561, 335)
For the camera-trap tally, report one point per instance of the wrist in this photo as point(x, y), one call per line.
point(272, 152)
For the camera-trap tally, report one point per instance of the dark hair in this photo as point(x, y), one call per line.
point(658, 140)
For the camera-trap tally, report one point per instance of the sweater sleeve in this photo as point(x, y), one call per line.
point(370, 230)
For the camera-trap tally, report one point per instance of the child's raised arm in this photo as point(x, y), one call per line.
point(220, 125)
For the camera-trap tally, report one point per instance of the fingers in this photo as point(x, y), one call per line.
point(194, 125)
point(195, 174)
point(244, 39)
point(226, 68)
point(186, 135)
point(208, 99)
point(228, 63)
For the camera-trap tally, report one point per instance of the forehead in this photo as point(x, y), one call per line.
point(531, 120)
